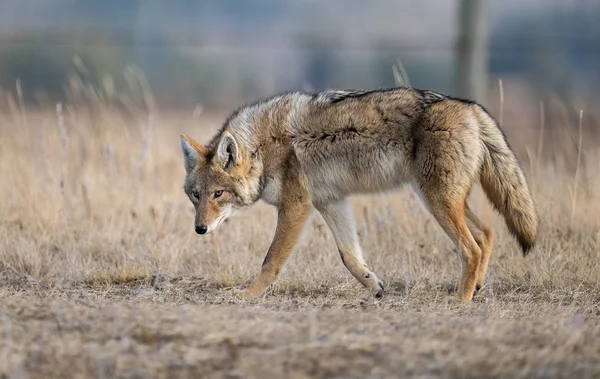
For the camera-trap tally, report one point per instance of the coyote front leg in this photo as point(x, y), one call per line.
point(338, 217)
point(290, 223)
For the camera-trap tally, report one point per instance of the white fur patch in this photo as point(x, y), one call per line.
point(272, 190)
point(227, 149)
point(225, 213)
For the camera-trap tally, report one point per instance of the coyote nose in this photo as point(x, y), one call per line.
point(201, 229)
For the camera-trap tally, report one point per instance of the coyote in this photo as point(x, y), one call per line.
point(303, 151)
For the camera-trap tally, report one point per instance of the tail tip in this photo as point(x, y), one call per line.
point(526, 246)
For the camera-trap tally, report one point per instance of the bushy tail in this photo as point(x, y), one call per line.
point(505, 185)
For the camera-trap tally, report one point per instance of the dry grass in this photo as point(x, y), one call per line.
point(102, 275)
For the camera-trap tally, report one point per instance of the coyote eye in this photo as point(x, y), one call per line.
point(218, 193)
point(195, 195)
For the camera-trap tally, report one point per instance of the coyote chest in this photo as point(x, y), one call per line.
point(271, 192)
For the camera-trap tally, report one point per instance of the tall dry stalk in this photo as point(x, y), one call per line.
point(541, 137)
point(64, 143)
point(576, 179)
point(501, 116)
point(21, 103)
point(143, 157)
point(400, 74)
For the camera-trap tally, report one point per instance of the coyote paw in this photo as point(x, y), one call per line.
point(372, 283)
point(460, 298)
point(479, 287)
point(251, 291)
point(243, 293)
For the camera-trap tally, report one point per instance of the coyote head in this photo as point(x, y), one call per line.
point(219, 179)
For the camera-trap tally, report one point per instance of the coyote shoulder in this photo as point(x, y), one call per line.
point(310, 151)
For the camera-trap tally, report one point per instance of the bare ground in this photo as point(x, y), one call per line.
point(186, 329)
point(101, 274)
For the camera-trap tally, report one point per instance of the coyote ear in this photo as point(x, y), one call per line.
point(227, 151)
point(193, 152)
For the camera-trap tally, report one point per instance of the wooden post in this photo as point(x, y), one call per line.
point(473, 50)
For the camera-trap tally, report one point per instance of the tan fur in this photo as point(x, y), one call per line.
point(484, 236)
point(300, 151)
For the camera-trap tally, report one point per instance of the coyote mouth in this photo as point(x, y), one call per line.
point(217, 223)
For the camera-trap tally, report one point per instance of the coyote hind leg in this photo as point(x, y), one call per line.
point(338, 217)
point(484, 236)
point(451, 217)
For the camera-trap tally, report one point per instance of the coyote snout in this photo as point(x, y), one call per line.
point(209, 218)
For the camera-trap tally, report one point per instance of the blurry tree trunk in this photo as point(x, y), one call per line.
point(472, 50)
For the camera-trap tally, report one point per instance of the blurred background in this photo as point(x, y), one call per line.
point(221, 54)
point(102, 274)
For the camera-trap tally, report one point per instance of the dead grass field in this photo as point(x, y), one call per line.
point(102, 275)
